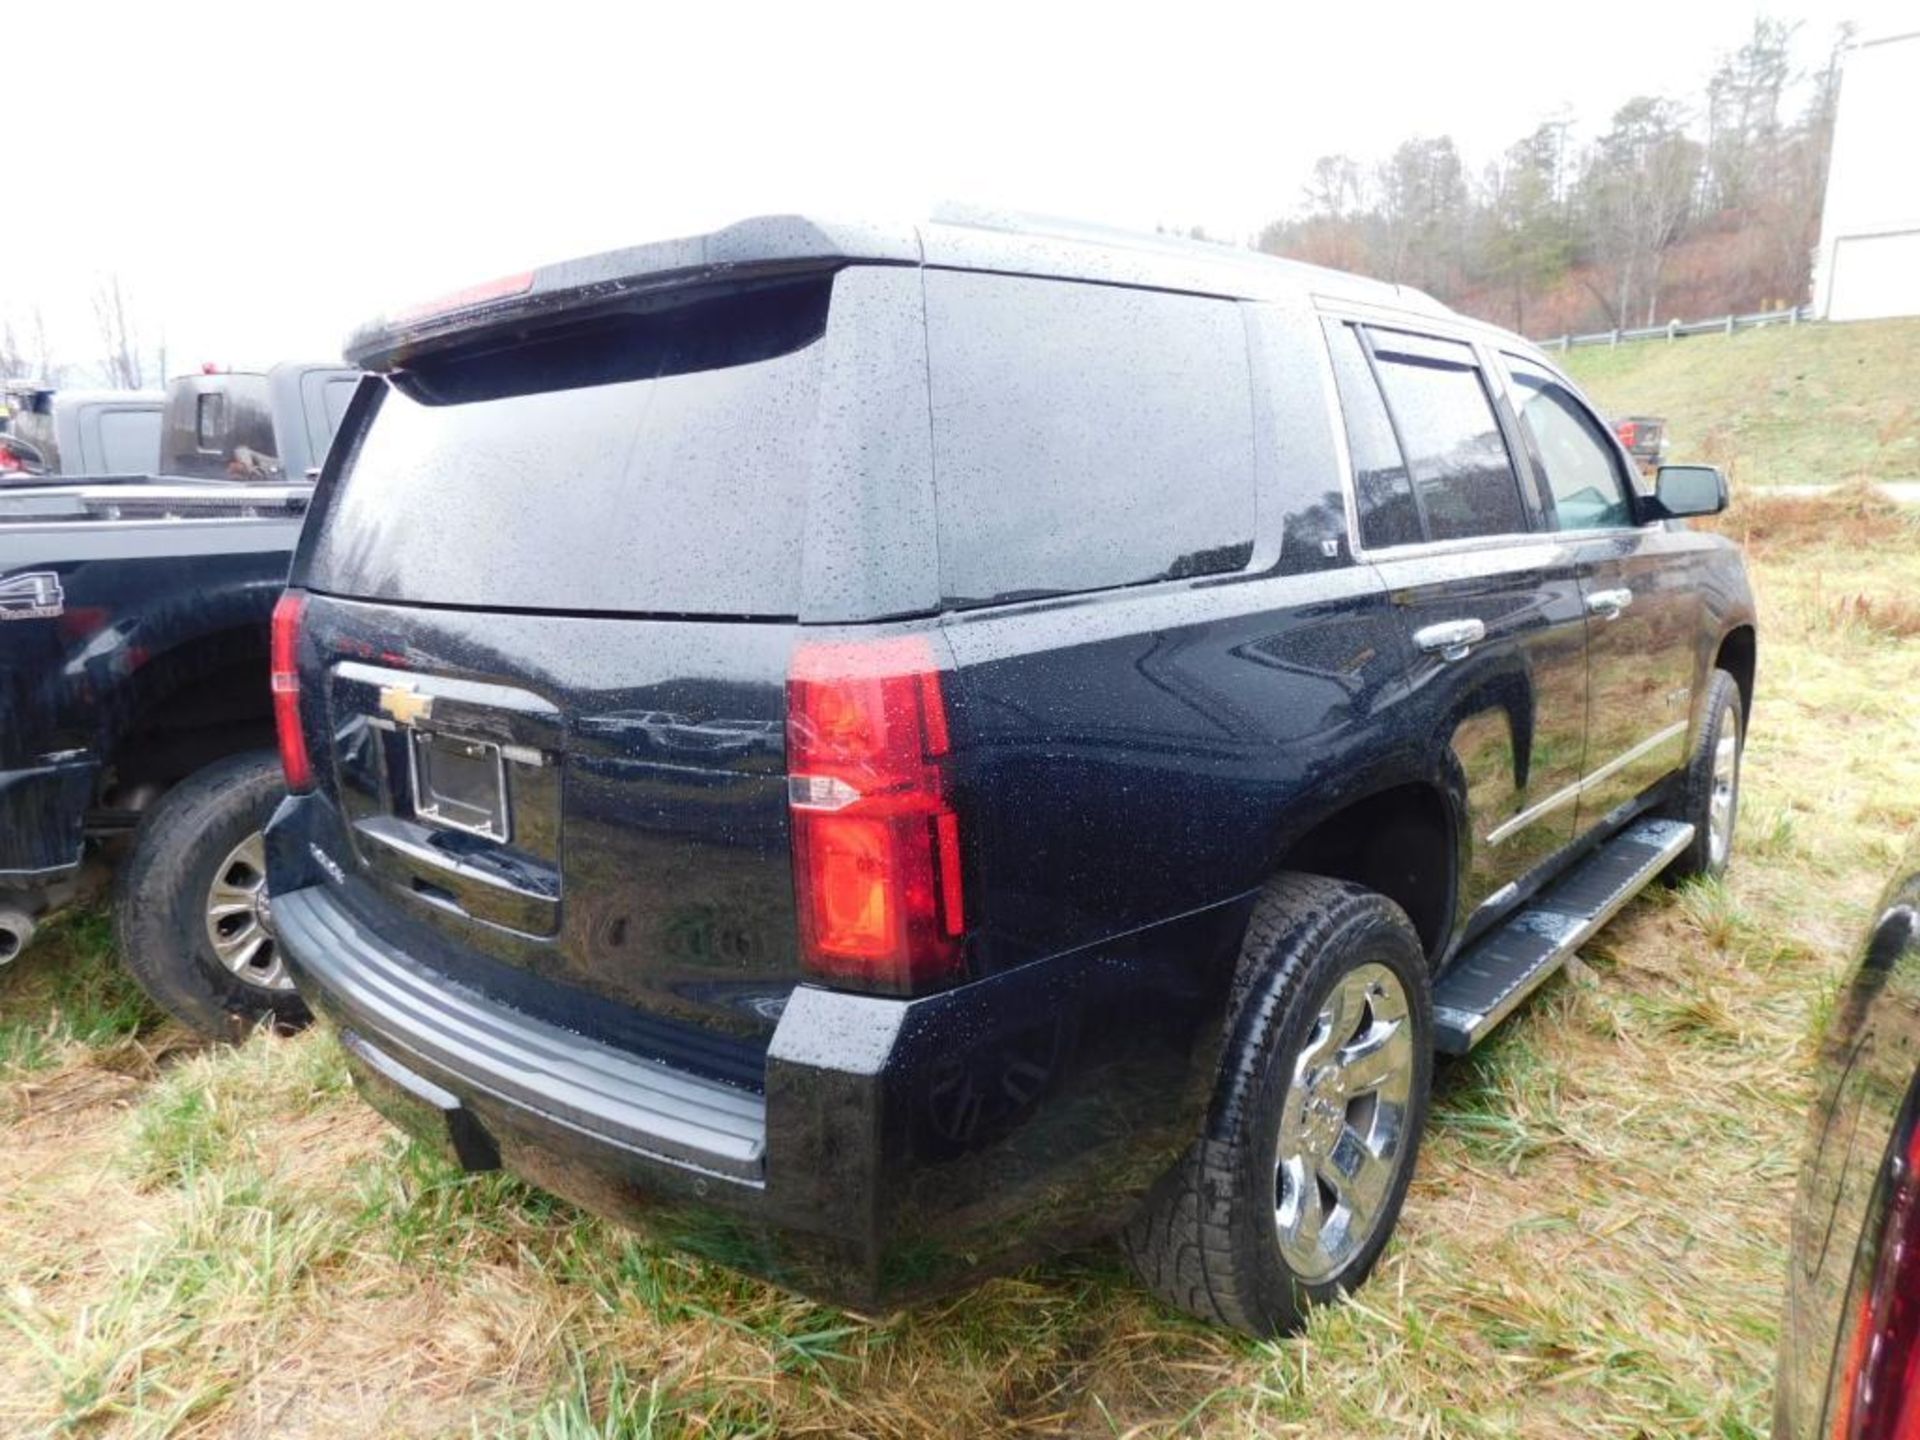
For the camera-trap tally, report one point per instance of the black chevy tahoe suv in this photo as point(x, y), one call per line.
point(134, 706)
point(895, 751)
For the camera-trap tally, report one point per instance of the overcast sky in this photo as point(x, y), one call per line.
point(263, 177)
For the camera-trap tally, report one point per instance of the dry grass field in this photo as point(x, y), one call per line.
point(224, 1243)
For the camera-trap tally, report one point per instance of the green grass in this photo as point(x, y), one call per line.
point(67, 992)
point(1806, 404)
point(225, 1243)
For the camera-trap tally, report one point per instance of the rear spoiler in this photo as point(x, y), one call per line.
point(767, 246)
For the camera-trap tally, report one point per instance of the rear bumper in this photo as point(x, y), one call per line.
point(517, 1061)
point(896, 1149)
point(43, 812)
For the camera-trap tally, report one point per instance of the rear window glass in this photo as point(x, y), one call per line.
point(1085, 436)
point(210, 421)
point(646, 462)
point(1388, 515)
point(1462, 473)
point(129, 441)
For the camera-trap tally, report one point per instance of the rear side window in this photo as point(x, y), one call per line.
point(651, 461)
point(1463, 476)
point(1383, 492)
point(129, 441)
point(1085, 436)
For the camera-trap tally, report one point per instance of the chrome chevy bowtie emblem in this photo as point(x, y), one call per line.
point(405, 705)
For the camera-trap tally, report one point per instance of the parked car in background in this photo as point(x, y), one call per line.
point(896, 751)
point(1645, 439)
point(135, 709)
point(54, 433)
point(1850, 1346)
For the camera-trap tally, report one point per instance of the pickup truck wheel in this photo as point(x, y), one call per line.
point(190, 909)
point(1709, 796)
point(1289, 1197)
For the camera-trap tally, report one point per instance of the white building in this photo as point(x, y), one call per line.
point(1868, 263)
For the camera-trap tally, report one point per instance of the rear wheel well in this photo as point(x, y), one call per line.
point(1397, 842)
point(1737, 657)
point(215, 702)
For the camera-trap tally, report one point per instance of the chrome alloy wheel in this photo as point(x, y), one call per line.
point(1724, 801)
point(237, 917)
point(1343, 1125)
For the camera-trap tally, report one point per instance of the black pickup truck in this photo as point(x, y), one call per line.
point(133, 686)
point(890, 751)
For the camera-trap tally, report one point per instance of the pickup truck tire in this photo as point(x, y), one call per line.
point(161, 902)
point(1709, 797)
point(1213, 1237)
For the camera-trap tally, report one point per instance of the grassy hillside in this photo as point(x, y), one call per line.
point(1784, 405)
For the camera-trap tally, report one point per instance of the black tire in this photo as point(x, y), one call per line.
point(1694, 803)
point(1208, 1239)
point(161, 899)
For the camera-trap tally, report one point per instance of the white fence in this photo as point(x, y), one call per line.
point(1674, 329)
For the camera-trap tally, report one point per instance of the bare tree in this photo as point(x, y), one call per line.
point(1333, 188)
point(1523, 241)
point(1640, 185)
point(1422, 214)
point(119, 341)
point(1744, 130)
point(1692, 210)
point(13, 361)
point(40, 362)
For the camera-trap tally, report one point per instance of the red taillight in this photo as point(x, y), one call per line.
point(284, 664)
point(1628, 432)
point(876, 841)
point(1880, 1388)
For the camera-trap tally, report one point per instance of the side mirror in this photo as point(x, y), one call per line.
point(1684, 490)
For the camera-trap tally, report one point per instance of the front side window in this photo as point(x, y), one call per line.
point(1579, 461)
point(1463, 476)
point(1085, 436)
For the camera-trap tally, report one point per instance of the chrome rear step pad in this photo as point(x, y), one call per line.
point(1482, 987)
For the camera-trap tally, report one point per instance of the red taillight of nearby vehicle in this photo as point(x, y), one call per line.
point(1628, 432)
point(876, 840)
point(1880, 1388)
point(283, 662)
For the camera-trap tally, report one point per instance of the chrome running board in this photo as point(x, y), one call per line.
point(1483, 986)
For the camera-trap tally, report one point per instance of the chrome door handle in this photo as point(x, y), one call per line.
point(1609, 603)
point(1450, 639)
